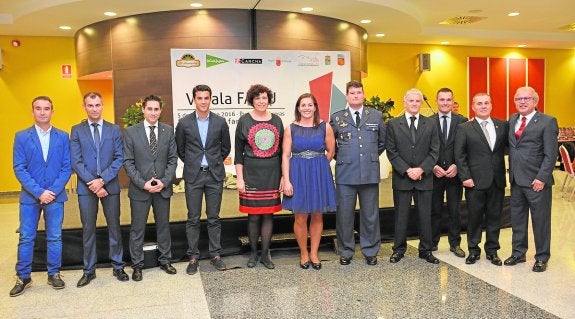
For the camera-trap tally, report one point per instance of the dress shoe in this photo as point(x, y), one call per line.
point(267, 262)
point(540, 266)
point(304, 265)
point(20, 285)
point(457, 251)
point(252, 260)
point(344, 261)
point(56, 281)
point(218, 263)
point(494, 259)
point(192, 267)
point(86, 279)
point(471, 259)
point(371, 260)
point(395, 257)
point(137, 274)
point(429, 258)
point(514, 260)
point(120, 274)
point(316, 266)
point(169, 269)
point(434, 248)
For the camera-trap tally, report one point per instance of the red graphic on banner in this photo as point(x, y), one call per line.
point(66, 71)
point(321, 89)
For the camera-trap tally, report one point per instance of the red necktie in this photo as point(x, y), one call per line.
point(521, 128)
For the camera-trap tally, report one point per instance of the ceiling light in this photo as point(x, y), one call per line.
point(110, 14)
point(65, 27)
point(196, 5)
point(445, 42)
point(307, 9)
point(522, 45)
point(380, 35)
point(365, 21)
point(513, 14)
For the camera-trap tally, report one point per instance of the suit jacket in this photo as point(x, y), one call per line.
point(191, 150)
point(403, 154)
point(474, 157)
point(83, 151)
point(36, 175)
point(446, 154)
point(141, 164)
point(357, 151)
point(533, 156)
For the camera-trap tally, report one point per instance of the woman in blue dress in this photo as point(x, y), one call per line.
point(307, 148)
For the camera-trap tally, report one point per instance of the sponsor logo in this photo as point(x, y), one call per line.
point(279, 61)
point(305, 60)
point(327, 60)
point(340, 59)
point(248, 61)
point(188, 61)
point(214, 60)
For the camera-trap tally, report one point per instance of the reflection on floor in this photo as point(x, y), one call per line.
point(409, 289)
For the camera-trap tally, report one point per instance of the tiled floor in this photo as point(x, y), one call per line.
point(409, 289)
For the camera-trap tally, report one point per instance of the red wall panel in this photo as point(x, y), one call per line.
point(536, 80)
point(517, 79)
point(498, 87)
point(477, 79)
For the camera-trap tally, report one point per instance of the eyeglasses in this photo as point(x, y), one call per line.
point(523, 99)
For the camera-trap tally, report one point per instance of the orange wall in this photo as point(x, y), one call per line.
point(393, 69)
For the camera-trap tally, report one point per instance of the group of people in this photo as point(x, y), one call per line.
point(430, 156)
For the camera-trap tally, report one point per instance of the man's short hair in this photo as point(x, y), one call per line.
point(201, 88)
point(353, 84)
point(152, 98)
point(92, 95)
point(42, 98)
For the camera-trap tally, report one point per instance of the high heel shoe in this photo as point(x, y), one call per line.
point(316, 266)
point(304, 265)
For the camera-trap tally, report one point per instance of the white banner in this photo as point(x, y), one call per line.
point(230, 73)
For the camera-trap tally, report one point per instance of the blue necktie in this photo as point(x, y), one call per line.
point(97, 143)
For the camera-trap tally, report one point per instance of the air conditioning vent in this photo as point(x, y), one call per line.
point(462, 20)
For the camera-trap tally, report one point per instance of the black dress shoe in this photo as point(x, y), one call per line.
point(514, 260)
point(395, 257)
point(344, 261)
point(56, 281)
point(169, 269)
point(494, 259)
point(371, 260)
point(85, 280)
point(120, 274)
point(304, 265)
point(540, 266)
point(471, 259)
point(429, 258)
point(457, 251)
point(316, 266)
point(137, 274)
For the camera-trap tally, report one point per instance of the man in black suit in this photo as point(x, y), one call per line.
point(412, 148)
point(445, 178)
point(532, 156)
point(150, 160)
point(203, 140)
point(480, 149)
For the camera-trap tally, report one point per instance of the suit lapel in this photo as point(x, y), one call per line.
point(421, 127)
point(143, 136)
point(348, 118)
point(499, 137)
point(512, 123)
point(88, 133)
point(196, 129)
point(479, 131)
point(53, 142)
point(454, 123)
point(404, 127)
point(36, 140)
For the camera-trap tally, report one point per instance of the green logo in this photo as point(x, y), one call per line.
point(213, 60)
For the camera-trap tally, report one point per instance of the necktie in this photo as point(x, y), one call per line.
point(357, 119)
point(444, 128)
point(153, 141)
point(412, 128)
point(486, 133)
point(521, 128)
point(97, 143)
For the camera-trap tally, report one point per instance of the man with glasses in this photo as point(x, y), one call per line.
point(532, 156)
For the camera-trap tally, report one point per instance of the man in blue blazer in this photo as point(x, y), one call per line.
point(532, 155)
point(360, 137)
point(150, 160)
point(42, 166)
point(97, 156)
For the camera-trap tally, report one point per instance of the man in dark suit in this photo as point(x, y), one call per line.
point(445, 178)
point(203, 140)
point(150, 160)
point(41, 161)
point(96, 147)
point(480, 149)
point(412, 148)
point(532, 157)
point(360, 138)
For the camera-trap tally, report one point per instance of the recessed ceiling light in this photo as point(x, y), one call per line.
point(196, 5)
point(522, 45)
point(513, 14)
point(65, 27)
point(380, 35)
point(365, 21)
point(110, 14)
point(307, 9)
point(445, 42)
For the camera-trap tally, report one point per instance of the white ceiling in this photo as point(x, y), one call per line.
point(402, 21)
